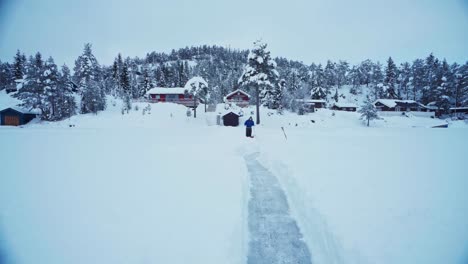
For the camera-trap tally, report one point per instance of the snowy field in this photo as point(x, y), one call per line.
point(165, 188)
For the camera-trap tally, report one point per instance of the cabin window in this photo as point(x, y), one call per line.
point(171, 97)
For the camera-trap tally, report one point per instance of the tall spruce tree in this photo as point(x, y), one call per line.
point(66, 99)
point(460, 87)
point(260, 72)
point(126, 88)
point(87, 77)
point(417, 79)
point(390, 80)
point(405, 81)
point(430, 80)
point(19, 67)
point(32, 92)
point(51, 106)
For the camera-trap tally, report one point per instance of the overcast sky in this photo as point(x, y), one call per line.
point(305, 30)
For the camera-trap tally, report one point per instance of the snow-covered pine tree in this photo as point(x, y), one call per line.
point(342, 69)
point(276, 96)
point(377, 81)
point(463, 81)
point(144, 82)
point(260, 72)
point(116, 70)
point(160, 76)
point(6, 75)
point(404, 81)
point(336, 96)
point(133, 72)
point(318, 90)
point(368, 111)
point(330, 76)
point(19, 67)
point(354, 80)
point(32, 93)
point(431, 68)
point(460, 87)
point(66, 100)
point(182, 76)
point(417, 79)
point(318, 93)
point(198, 88)
point(87, 77)
point(51, 105)
point(126, 87)
point(445, 83)
point(366, 69)
point(390, 80)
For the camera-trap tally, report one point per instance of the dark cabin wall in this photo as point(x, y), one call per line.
point(23, 118)
point(231, 119)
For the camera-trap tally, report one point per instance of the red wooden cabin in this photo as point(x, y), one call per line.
point(170, 95)
point(238, 97)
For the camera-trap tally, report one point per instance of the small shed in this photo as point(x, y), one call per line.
point(15, 116)
point(231, 119)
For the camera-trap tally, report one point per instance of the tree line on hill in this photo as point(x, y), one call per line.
point(59, 93)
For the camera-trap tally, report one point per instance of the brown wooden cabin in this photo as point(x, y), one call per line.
point(14, 116)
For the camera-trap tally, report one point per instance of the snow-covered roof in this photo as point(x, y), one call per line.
point(459, 108)
point(311, 101)
point(345, 105)
point(431, 107)
point(165, 90)
point(229, 112)
point(392, 102)
point(237, 91)
point(24, 111)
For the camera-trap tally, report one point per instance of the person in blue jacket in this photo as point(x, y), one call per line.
point(248, 127)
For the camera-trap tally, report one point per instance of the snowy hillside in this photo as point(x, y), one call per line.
point(166, 188)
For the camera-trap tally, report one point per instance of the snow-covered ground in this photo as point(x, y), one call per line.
point(166, 188)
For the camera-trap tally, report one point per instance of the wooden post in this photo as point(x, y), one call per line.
point(195, 106)
point(257, 93)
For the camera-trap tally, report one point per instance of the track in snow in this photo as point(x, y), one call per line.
point(274, 234)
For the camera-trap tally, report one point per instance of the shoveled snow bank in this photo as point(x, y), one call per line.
point(375, 195)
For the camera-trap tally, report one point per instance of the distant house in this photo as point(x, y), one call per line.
point(238, 97)
point(350, 107)
point(231, 119)
point(311, 104)
point(15, 116)
point(432, 106)
point(391, 105)
point(459, 111)
point(170, 95)
point(317, 103)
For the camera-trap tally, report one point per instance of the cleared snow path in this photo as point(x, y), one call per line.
point(274, 234)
